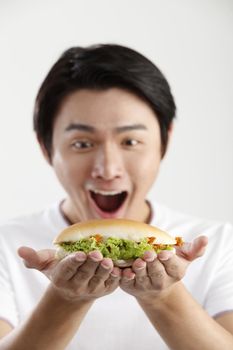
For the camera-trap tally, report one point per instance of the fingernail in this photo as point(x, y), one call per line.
point(80, 256)
point(95, 256)
point(106, 264)
point(140, 267)
point(127, 279)
point(165, 258)
point(114, 275)
point(115, 272)
point(150, 256)
point(165, 255)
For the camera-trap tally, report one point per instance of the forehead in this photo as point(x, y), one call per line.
point(104, 109)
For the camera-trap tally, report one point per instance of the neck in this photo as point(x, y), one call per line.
point(67, 213)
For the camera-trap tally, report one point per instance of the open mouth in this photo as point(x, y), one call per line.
point(108, 202)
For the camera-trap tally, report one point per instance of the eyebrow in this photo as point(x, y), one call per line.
point(81, 127)
point(92, 129)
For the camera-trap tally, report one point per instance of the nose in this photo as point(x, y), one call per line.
point(108, 164)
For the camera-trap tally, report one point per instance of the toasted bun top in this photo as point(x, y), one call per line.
point(118, 228)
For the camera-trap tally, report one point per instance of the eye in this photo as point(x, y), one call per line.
point(130, 142)
point(82, 145)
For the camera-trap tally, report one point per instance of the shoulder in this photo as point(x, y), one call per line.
point(32, 228)
point(21, 223)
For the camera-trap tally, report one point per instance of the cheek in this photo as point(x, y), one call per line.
point(69, 170)
point(145, 169)
point(148, 174)
point(148, 163)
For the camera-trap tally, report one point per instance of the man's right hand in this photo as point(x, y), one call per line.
point(78, 276)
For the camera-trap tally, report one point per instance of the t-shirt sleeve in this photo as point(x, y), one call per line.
point(220, 295)
point(8, 310)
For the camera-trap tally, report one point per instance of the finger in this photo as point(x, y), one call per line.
point(139, 267)
point(86, 271)
point(113, 280)
point(174, 266)
point(140, 270)
point(127, 273)
point(101, 275)
point(127, 278)
point(68, 267)
point(29, 257)
point(156, 273)
point(149, 256)
point(36, 259)
point(199, 245)
point(193, 250)
point(103, 271)
point(165, 255)
point(116, 272)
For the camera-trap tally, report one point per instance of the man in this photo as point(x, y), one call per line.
point(103, 118)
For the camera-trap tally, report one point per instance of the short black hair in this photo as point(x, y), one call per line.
point(101, 67)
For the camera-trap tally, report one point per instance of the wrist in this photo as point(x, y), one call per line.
point(66, 300)
point(162, 298)
point(52, 323)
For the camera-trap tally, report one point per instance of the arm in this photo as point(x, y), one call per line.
point(76, 282)
point(51, 325)
point(226, 321)
point(5, 328)
point(155, 281)
point(184, 325)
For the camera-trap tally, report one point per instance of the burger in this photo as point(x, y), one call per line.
point(119, 239)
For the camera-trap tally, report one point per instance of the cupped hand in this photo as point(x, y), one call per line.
point(154, 275)
point(76, 277)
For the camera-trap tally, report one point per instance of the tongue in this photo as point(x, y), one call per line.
point(108, 203)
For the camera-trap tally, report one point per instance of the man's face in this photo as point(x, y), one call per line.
point(106, 152)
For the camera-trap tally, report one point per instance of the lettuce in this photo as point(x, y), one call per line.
point(113, 248)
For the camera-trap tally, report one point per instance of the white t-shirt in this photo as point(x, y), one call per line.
point(115, 321)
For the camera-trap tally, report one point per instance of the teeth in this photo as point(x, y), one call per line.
point(107, 193)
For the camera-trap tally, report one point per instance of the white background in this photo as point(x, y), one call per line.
point(192, 43)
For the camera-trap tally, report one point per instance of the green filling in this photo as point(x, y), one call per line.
point(114, 248)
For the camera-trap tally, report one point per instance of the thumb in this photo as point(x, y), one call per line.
point(195, 249)
point(199, 245)
point(36, 259)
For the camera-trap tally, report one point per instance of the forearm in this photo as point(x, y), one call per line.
point(183, 324)
point(51, 325)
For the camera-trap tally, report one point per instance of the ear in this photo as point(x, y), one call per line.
point(45, 152)
point(169, 136)
point(170, 132)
